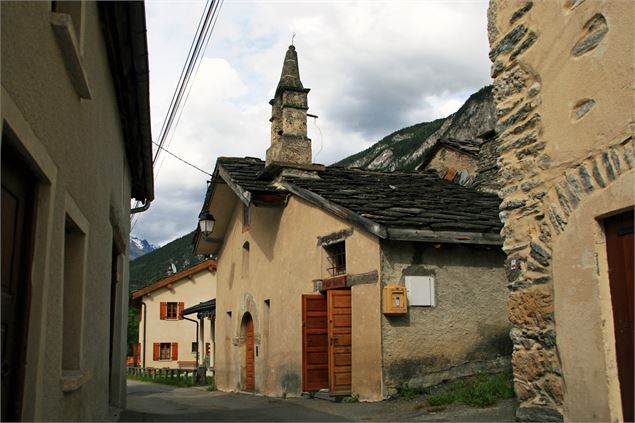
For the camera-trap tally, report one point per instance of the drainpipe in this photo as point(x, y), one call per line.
point(195, 321)
point(145, 321)
point(145, 206)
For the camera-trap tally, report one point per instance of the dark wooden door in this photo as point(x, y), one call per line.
point(619, 246)
point(315, 363)
point(250, 367)
point(18, 188)
point(340, 335)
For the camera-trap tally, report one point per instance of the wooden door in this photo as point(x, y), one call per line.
point(18, 188)
point(340, 334)
point(619, 246)
point(250, 368)
point(315, 363)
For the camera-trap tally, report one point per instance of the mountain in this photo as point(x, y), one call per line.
point(154, 265)
point(406, 148)
point(139, 247)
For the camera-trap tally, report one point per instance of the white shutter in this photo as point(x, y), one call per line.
point(420, 290)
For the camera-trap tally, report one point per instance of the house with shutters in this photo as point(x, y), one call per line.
point(346, 280)
point(167, 337)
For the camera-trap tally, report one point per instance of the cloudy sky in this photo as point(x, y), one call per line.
point(373, 67)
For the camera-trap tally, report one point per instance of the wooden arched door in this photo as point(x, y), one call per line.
point(250, 367)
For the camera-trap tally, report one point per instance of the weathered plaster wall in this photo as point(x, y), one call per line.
point(76, 149)
point(447, 158)
point(465, 333)
point(201, 287)
point(563, 90)
point(284, 259)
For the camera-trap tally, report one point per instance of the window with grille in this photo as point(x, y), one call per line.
point(336, 257)
point(165, 351)
point(171, 311)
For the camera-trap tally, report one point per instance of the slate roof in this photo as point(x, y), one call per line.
point(203, 309)
point(412, 200)
point(407, 199)
point(467, 147)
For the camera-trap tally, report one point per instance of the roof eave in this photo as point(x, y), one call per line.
point(341, 212)
point(454, 237)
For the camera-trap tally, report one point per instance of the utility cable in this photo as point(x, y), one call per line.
point(205, 27)
point(183, 160)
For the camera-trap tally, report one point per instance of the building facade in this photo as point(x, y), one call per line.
point(329, 277)
point(563, 86)
point(166, 338)
point(76, 148)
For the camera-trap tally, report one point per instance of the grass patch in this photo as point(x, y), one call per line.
point(181, 382)
point(480, 391)
point(406, 392)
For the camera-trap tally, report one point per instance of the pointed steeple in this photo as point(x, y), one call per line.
point(289, 142)
point(290, 76)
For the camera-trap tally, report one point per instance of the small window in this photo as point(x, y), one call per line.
point(171, 311)
point(73, 294)
point(336, 256)
point(245, 260)
point(194, 347)
point(165, 351)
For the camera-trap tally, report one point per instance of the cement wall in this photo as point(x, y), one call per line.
point(199, 287)
point(75, 147)
point(563, 90)
point(284, 259)
point(464, 333)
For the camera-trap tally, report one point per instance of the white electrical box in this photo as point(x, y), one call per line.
point(420, 290)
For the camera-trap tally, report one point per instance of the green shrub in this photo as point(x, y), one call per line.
point(353, 398)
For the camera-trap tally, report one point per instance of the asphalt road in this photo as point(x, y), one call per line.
point(149, 402)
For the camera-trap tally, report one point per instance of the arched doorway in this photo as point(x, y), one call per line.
point(247, 329)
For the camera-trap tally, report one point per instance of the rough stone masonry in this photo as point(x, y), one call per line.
point(540, 193)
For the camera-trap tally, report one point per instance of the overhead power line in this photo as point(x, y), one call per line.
point(204, 30)
point(183, 160)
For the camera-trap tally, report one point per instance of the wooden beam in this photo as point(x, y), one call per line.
point(426, 235)
point(341, 212)
point(243, 195)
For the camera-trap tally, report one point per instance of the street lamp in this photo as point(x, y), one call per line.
point(206, 223)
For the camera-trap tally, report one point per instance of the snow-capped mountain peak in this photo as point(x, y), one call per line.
point(139, 247)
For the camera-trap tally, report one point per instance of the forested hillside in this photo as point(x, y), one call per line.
point(406, 148)
point(154, 265)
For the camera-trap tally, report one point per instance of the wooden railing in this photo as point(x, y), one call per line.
point(161, 373)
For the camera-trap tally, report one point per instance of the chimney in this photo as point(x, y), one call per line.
point(290, 145)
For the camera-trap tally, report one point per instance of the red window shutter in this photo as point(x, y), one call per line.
point(181, 308)
point(163, 313)
point(175, 351)
point(156, 351)
point(137, 353)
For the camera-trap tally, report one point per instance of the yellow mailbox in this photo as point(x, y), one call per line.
point(395, 301)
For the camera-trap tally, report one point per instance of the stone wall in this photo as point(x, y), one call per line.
point(563, 78)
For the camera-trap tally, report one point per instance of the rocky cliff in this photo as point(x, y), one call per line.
point(405, 149)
